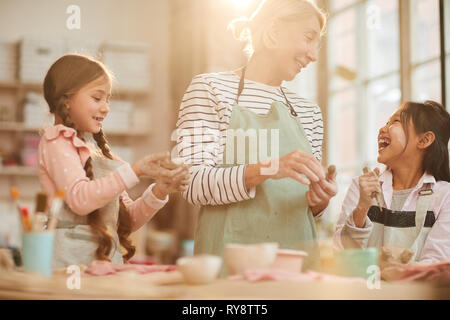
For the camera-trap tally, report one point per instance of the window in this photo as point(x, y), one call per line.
point(425, 50)
point(364, 85)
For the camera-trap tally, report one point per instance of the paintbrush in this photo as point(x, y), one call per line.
point(40, 218)
point(15, 197)
point(54, 210)
point(375, 195)
point(27, 220)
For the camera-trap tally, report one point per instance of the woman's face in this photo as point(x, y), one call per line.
point(393, 146)
point(297, 42)
point(89, 106)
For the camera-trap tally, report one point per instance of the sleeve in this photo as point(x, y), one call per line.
point(144, 208)
point(321, 213)
point(437, 245)
point(199, 139)
point(62, 161)
point(317, 134)
point(347, 235)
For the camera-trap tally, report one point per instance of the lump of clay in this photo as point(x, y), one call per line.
point(391, 260)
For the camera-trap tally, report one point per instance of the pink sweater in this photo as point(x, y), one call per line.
point(62, 156)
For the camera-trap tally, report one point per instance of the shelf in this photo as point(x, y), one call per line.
point(18, 171)
point(9, 85)
point(21, 127)
point(120, 92)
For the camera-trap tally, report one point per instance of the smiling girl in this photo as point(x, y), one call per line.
point(415, 188)
point(98, 215)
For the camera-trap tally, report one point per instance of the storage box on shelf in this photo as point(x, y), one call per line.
point(36, 56)
point(8, 61)
point(129, 62)
point(35, 111)
point(119, 117)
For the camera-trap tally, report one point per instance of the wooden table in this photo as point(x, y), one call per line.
point(170, 285)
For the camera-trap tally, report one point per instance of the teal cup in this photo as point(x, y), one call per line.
point(355, 262)
point(37, 252)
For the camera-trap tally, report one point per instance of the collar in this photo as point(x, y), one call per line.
point(387, 177)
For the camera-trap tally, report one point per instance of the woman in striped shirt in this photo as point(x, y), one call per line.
point(229, 120)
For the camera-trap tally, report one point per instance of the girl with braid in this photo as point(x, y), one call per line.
point(98, 215)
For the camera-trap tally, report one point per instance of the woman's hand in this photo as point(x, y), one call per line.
point(292, 165)
point(369, 186)
point(296, 163)
point(173, 177)
point(320, 193)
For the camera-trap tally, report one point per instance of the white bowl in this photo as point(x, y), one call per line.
point(290, 260)
point(200, 269)
point(241, 257)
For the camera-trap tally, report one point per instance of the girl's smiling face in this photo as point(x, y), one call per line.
point(393, 144)
point(89, 106)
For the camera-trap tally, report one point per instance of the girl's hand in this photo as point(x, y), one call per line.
point(320, 193)
point(150, 165)
point(369, 186)
point(296, 163)
point(172, 181)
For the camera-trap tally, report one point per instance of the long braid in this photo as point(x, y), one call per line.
point(124, 226)
point(94, 218)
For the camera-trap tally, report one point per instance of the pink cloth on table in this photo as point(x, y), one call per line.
point(62, 156)
point(255, 275)
point(102, 268)
point(431, 272)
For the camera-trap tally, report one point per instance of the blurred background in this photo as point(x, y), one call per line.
point(375, 55)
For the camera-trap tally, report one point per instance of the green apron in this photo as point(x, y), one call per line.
point(279, 212)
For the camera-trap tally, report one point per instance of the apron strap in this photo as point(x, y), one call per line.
point(64, 224)
point(291, 108)
point(241, 85)
point(423, 205)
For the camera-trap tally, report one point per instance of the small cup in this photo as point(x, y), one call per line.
point(200, 269)
point(289, 260)
point(37, 252)
point(355, 262)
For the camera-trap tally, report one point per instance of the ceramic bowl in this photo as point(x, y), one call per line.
point(241, 257)
point(200, 269)
point(290, 260)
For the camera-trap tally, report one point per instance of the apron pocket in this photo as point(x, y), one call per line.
point(81, 232)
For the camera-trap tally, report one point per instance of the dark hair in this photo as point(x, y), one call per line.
point(430, 116)
point(64, 79)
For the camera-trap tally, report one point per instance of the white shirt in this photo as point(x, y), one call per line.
point(437, 244)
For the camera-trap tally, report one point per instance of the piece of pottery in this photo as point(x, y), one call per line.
point(241, 257)
point(289, 260)
point(200, 269)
